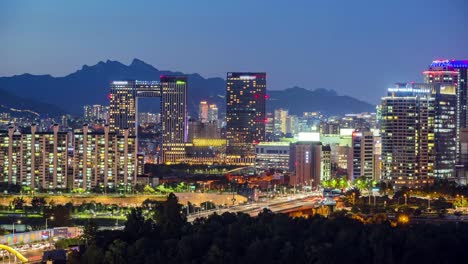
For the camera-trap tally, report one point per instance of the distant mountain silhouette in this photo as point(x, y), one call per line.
point(299, 100)
point(90, 85)
point(20, 106)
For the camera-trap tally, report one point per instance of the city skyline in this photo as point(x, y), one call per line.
point(352, 37)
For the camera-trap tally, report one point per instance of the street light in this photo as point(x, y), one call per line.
point(51, 218)
point(18, 222)
point(406, 198)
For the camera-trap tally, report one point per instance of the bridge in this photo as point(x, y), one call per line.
point(15, 253)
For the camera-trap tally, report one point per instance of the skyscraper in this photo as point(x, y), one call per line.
point(213, 113)
point(363, 154)
point(173, 92)
point(174, 117)
point(245, 111)
point(452, 72)
point(123, 107)
point(281, 116)
point(203, 112)
point(408, 135)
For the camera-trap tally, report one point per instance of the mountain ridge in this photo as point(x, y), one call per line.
point(90, 85)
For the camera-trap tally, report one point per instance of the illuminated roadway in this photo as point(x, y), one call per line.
point(274, 205)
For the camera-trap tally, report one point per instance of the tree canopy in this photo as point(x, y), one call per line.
point(166, 237)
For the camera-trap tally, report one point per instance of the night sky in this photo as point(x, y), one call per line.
point(358, 48)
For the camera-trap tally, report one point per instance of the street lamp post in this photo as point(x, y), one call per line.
point(406, 199)
point(18, 222)
point(51, 218)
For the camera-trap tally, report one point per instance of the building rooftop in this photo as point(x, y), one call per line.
point(449, 64)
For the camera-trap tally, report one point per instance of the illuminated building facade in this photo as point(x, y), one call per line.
point(96, 112)
point(281, 116)
point(270, 127)
point(124, 103)
point(363, 154)
point(203, 112)
point(445, 130)
point(452, 72)
point(306, 163)
point(272, 155)
point(206, 151)
point(407, 132)
point(104, 160)
point(198, 129)
point(173, 92)
point(174, 117)
point(36, 159)
point(326, 170)
point(213, 113)
point(245, 112)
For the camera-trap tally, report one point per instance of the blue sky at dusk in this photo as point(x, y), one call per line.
point(357, 48)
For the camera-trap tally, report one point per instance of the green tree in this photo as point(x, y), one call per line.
point(89, 232)
point(362, 183)
point(59, 214)
point(18, 203)
point(116, 253)
point(170, 217)
point(137, 226)
point(208, 205)
point(38, 203)
point(343, 182)
point(92, 255)
point(148, 190)
point(139, 188)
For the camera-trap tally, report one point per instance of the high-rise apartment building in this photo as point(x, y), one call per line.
point(104, 160)
point(245, 112)
point(35, 159)
point(407, 132)
point(203, 112)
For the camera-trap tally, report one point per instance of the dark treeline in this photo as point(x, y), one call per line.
point(166, 237)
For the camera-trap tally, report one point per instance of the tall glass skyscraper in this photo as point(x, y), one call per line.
point(408, 135)
point(124, 103)
point(245, 112)
point(174, 118)
point(173, 92)
point(452, 72)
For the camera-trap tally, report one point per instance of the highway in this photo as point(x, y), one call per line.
point(275, 205)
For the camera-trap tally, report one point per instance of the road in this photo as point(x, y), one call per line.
point(275, 205)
